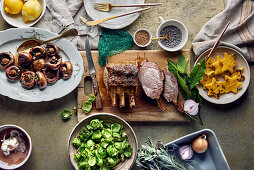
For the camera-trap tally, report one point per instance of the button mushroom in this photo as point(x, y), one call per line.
point(40, 80)
point(54, 62)
point(37, 52)
point(13, 73)
point(25, 59)
point(66, 70)
point(39, 64)
point(52, 50)
point(27, 79)
point(6, 59)
point(51, 75)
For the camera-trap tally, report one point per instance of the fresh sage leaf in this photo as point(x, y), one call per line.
point(91, 98)
point(87, 106)
point(197, 73)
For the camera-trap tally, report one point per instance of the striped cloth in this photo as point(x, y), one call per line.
point(240, 33)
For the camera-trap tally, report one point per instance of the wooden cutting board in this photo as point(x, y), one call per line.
point(145, 110)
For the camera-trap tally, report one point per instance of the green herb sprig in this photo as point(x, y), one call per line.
point(188, 82)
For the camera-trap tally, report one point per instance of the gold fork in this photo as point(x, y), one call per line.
point(107, 6)
point(96, 22)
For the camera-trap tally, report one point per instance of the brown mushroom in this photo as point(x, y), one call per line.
point(27, 79)
point(40, 80)
point(66, 70)
point(52, 50)
point(37, 52)
point(13, 73)
point(6, 59)
point(39, 64)
point(54, 62)
point(25, 59)
point(51, 75)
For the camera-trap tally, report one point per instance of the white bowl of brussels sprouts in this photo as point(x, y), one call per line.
point(102, 141)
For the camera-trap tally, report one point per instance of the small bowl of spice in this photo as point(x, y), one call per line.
point(16, 146)
point(142, 37)
point(176, 32)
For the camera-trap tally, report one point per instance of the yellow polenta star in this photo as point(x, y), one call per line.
point(215, 88)
point(209, 65)
point(207, 79)
point(231, 84)
point(217, 65)
point(228, 63)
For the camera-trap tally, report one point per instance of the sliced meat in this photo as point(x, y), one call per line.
point(170, 92)
point(151, 78)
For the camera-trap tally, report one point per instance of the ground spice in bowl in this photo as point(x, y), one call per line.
point(142, 38)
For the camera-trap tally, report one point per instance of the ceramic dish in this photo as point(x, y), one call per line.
point(27, 153)
point(12, 38)
point(150, 37)
point(117, 23)
point(132, 139)
point(213, 158)
point(17, 20)
point(229, 97)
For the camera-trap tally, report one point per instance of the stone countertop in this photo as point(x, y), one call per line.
point(232, 123)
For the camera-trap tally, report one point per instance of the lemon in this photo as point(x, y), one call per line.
point(31, 10)
point(13, 6)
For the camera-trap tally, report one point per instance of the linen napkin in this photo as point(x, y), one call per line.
point(239, 35)
point(64, 14)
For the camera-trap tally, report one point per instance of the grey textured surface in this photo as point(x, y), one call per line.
point(232, 123)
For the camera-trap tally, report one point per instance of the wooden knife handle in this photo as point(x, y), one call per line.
point(96, 91)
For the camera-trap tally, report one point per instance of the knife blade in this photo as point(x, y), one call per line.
point(93, 75)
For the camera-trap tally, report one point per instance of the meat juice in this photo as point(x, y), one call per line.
point(15, 157)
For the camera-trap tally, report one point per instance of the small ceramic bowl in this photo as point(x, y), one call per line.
point(106, 117)
point(150, 37)
point(25, 156)
point(178, 24)
point(17, 20)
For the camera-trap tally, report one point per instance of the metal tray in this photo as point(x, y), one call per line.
point(213, 158)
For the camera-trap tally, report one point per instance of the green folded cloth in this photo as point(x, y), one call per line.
point(113, 42)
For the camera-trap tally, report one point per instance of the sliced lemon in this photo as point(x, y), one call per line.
point(13, 6)
point(31, 10)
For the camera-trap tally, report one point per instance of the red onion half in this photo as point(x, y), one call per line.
point(191, 107)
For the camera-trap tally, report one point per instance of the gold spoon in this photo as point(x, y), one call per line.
point(35, 42)
point(166, 37)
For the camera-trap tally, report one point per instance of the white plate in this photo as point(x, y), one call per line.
point(117, 23)
point(229, 97)
point(17, 20)
point(12, 38)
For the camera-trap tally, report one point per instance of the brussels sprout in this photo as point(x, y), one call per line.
point(118, 145)
point(123, 134)
point(104, 144)
point(86, 133)
point(90, 143)
point(112, 151)
point(104, 167)
point(116, 127)
point(89, 153)
point(76, 142)
point(89, 127)
point(99, 161)
point(77, 157)
point(110, 139)
point(87, 106)
point(95, 124)
point(91, 161)
point(96, 135)
point(112, 162)
point(82, 165)
point(106, 133)
point(122, 157)
point(81, 137)
point(124, 144)
point(128, 151)
point(91, 98)
point(117, 137)
point(101, 152)
point(106, 125)
point(66, 114)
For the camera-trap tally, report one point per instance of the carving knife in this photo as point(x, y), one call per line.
point(93, 75)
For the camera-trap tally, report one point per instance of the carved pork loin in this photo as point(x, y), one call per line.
point(121, 81)
point(151, 78)
point(170, 92)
